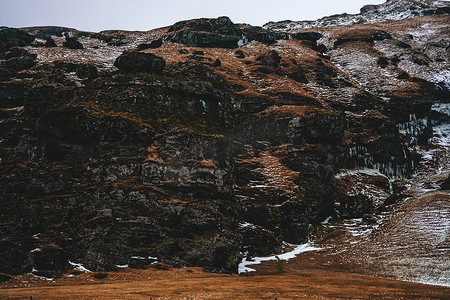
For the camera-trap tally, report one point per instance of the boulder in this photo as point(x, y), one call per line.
point(16, 52)
point(262, 35)
point(86, 71)
point(22, 62)
point(49, 42)
point(446, 184)
point(152, 45)
point(12, 37)
point(18, 58)
point(205, 39)
point(308, 36)
point(139, 61)
point(220, 32)
point(72, 43)
point(239, 54)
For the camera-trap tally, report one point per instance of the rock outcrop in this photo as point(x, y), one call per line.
point(220, 32)
point(139, 61)
point(202, 156)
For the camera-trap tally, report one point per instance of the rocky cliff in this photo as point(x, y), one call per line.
point(204, 142)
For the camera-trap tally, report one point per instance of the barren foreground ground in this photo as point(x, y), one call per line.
point(307, 277)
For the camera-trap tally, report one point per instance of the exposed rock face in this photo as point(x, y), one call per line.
point(201, 156)
point(390, 10)
point(360, 193)
point(220, 32)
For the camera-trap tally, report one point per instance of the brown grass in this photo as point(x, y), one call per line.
point(306, 277)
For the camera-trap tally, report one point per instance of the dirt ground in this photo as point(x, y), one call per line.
point(310, 276)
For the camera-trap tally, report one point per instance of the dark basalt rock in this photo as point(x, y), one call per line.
point(14, 258)
point(217, 63)
point(139, 61)
point(198, 52)
point(308, 36)
point(195, 166)
point(220, 32)
point(351, 207)
point(12, 37)
point(239, 54)
point(100, 275)
point(49, 42)
point(5, 277)
point(259, 241)
point(205, 39)
point(437, 11)
point(19, 59)
point(72, 43)
point(383, 62)
point(310, 39)
point(446, 184)
point(221, 25)
point(87, 72)
point(403, 75)
point(257, 33)
point(16, 52)
point(152, 45)
point(49, 31)
point(362, 36)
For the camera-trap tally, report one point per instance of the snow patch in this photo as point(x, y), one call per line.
point(79, 267)
point(285, 256)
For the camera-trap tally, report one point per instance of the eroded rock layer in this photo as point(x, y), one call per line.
point(123, 148)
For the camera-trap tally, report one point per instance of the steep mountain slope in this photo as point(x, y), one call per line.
point(204, 142)
point(388, 11)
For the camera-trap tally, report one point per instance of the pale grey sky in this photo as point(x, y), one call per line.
point(97, 15)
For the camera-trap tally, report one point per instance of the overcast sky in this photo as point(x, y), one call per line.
point(97, 15)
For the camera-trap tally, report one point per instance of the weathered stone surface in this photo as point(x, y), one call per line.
point(12, 37)
point(309, 36)
point(446, 184)
point(359, 193)
point(191, 160)
point(220, 32)
point(18, 58)
point(72, 43)
point(259, 34)
point(362, 36)
point(49, 42)
point(152, 45)
point(139, 61)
